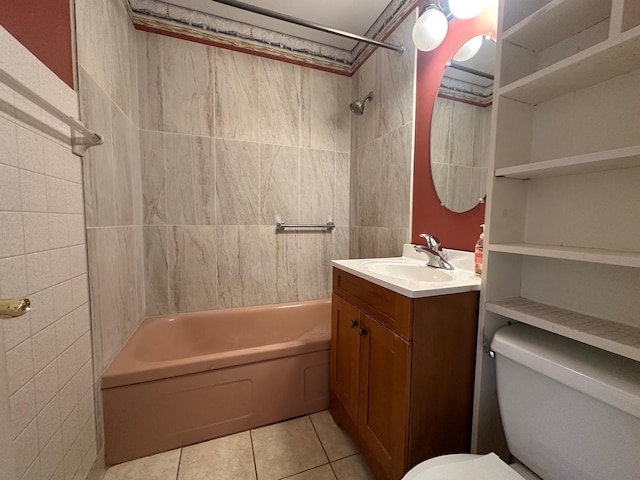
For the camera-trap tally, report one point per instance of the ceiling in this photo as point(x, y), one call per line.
point(217, 23)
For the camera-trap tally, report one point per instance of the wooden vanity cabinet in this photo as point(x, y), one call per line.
point(401, 373)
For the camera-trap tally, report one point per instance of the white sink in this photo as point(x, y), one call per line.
point(409, 270)
point(410, 276)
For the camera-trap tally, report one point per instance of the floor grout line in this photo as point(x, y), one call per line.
point(304, 471)
point(253, 452)
point(319, 439)
point(179, 463)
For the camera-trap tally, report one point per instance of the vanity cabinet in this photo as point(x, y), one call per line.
point(401, 373)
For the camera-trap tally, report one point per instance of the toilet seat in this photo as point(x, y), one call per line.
point(421, 471)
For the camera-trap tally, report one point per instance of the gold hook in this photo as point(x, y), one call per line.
point(14, 307)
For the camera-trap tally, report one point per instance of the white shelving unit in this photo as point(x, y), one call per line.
point(578, 254)
point(562, 247)
point(611, 336)
point(628, 157)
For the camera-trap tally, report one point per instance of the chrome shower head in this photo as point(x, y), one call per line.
point(357, 107)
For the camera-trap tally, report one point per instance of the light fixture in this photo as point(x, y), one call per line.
point(469, 49)
point(430, 29)
point(464, 9)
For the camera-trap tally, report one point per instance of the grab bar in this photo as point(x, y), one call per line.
point(14, 307)
point(327, 226)
point(79, 145)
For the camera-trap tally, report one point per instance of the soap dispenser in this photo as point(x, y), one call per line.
point(478, 254)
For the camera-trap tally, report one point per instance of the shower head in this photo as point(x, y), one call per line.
point(357, 107)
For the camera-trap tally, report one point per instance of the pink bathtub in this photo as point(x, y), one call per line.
point(186, 378)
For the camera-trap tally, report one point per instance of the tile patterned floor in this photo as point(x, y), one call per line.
point(306, 448)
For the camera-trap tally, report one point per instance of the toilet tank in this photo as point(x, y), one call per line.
point(570, 411)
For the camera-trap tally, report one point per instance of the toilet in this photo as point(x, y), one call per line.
point(569, 411)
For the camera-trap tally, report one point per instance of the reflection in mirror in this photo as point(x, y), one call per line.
point(460, 126)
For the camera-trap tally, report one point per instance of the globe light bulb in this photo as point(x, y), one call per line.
point(469, 49)
point(430, 29)
point(464, 9)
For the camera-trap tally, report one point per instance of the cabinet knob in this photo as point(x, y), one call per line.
point(353, 323)
point(362, 332)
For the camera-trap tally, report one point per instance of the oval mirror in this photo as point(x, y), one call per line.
point(461, 125)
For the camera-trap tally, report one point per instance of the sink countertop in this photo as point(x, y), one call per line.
point(463, 278)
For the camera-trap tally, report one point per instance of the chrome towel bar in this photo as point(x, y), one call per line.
point(327, 226)
point(79, 143)
point(14, 307)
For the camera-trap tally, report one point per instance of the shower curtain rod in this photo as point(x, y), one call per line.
point(305, 23)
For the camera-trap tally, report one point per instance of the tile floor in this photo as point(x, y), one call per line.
point(312, 447)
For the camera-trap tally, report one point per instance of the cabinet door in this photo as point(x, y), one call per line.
point(345, 354)
point(384, 396)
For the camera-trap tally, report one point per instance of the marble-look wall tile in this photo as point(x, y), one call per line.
point(366, 127)
point(366, 169)
point(237, 182)
point(363, 242)
point(116, 52)
point(154, 193)
point(192, 254)
point(134, 112)
point(395, 189)
point(123, 167)
point(190, 177)
point(342, 189)
point(314, 265)
point(320, 110)
point(317, 184)
point(279, 184)
point(238, 266)
point(98, 164)
point(340, 243)
point(278, 266)
point(237, 95)
point(345, 117)
point(109, 299)
point(279, 103)
point(390, 241)
point(397, 79)
point(133, 279)
point(187, 87)
point(149, 68)
point(156, 268)
point(103, 47)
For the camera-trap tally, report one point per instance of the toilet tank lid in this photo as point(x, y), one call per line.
point(605, 376)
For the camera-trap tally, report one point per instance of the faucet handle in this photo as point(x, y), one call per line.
point(432, 242)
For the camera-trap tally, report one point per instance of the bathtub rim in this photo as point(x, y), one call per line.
point(124, 369)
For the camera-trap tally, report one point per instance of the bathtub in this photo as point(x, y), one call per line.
point(186, 378)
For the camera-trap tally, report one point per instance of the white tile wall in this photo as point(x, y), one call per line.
point(47, 352)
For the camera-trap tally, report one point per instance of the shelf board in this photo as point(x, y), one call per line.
point(628, 157)
point(557, 21)
point(601, 62)
point(590, 255)
point(611, 336)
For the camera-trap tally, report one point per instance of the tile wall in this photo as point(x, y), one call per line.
point(47, 426)
point(107, 85)
point(231, 143)
point(382, 150)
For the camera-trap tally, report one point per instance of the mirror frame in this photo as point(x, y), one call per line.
point(455, 230)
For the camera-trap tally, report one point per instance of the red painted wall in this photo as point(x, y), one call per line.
point(43, 27)
point(456, 230)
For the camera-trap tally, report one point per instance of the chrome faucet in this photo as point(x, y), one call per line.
point(437, 258)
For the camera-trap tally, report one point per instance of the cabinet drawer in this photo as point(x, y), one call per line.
point(389, 308)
